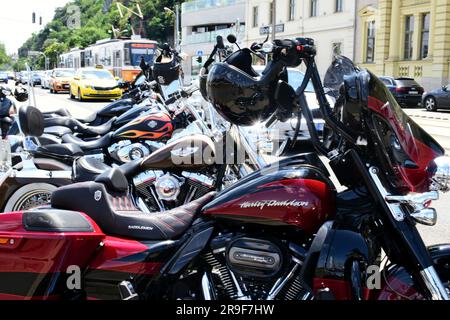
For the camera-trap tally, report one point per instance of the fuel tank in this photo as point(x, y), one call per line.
point(130, 115)
point(291, 193)
point(155, 126)
point(116, 108)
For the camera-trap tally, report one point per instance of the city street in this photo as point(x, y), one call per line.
point(49, 102)
point(436, 123)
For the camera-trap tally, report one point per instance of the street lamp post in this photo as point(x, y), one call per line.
point(176, 33)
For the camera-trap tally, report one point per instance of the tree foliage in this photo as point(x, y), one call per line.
point(5, 60)
point(97, 22)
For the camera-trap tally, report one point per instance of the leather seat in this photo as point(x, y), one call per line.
point(63, 112)
point(88, 169)
point(98, 130)
point(107, 202)
point(57, 131)
point(60, 150)
point(100, 143)
point(76, 126)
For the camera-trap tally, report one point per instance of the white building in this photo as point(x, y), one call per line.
point(202, 21)
point(331, 23)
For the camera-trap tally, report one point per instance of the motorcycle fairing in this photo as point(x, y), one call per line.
point(122, 259)
point(410, 149)
point(333, 269)
point(35, 264)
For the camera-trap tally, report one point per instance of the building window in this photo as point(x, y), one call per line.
point(409, 33)
point(291, 10)
point(337, 48)
point(255, 17)
point(425, 41)
point(313, 11)
point(271, 13)
point(339, 5)
point(370, 48)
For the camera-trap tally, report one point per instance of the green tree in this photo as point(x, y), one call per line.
point(97, 24)
point(53, 50)
point(4, 58)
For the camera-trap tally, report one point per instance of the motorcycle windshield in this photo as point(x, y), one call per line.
point(407, 149)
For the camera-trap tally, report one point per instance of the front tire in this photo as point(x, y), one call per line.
point(80, 97)
point(430, 104)
point(30, 196)
point(71, 95)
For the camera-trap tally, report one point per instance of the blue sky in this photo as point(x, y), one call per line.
point(15, 20)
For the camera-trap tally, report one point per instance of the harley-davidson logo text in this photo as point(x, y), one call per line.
point(274, 203)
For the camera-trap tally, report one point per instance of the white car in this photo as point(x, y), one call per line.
point(45, 79)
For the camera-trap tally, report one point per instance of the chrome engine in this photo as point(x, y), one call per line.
point(162, 191)
point(126, 151)
point(253, 269)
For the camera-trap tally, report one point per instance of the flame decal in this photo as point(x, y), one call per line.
point(165, 131)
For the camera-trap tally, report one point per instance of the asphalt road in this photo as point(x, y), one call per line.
point(436, 123)
point(46, 101)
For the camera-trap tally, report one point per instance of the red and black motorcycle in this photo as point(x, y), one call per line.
point(281, 233)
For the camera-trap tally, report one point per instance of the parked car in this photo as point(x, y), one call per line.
point(437, 99)
point(45, 79)
point(37, 78)
point(406, 91)
point(60, 80)
point(23, 77)
point(4, 77)
point(94, 83)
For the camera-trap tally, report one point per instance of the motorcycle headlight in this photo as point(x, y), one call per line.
point(440, 170)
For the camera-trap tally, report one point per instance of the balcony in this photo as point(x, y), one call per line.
point(207, 37)
point(207, 4)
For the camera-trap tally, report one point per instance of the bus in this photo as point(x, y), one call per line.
point(121, 57)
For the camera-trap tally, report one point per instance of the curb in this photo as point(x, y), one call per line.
point(430, 117)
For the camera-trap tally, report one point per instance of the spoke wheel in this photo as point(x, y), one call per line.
point(430, 104)
point(29, 197)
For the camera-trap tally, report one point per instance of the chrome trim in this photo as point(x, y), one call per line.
point(142, 206)
point(394, 208)
point(200, 178)
point(434, 284)
point(147, 177)
point(425, 216)
point(441, 176)
point(414, 198)
point(240, 294)
point(207, 288)
point(5, 175)
point(281, 283)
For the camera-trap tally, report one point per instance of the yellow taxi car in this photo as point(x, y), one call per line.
point(94, 83)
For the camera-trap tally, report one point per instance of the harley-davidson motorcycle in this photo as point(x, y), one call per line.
point(281, 233)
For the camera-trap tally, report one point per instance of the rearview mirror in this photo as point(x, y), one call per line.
point(76, 78)
point(444, 88)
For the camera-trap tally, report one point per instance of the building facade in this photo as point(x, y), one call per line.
point(405, 38)
point(331, 23)
point(201, 22)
